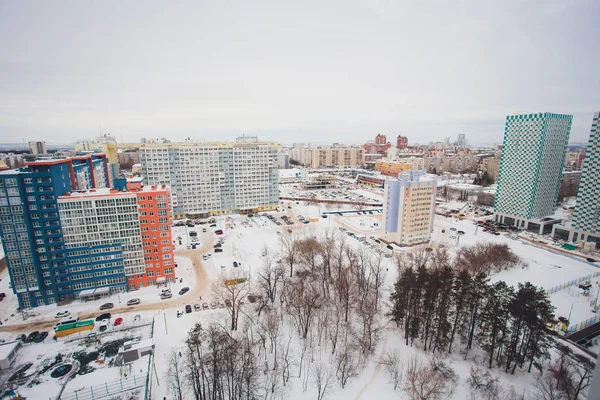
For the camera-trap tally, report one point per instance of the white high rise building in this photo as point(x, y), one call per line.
point(214, 178)
point(409, 207)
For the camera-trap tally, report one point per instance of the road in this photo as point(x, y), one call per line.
point(191, 297)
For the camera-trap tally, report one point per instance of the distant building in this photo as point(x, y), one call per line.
point(491, 165)
point(569, 184)
point(531, 168)
point(283, 159)
point(401, 142)
point(37, 148)
point(318, 157)
point(409, 207)
point(215, 178)
point(453, 163)
point(127, 159)
point(462, 140)
point(379, 146)
point(393, 168)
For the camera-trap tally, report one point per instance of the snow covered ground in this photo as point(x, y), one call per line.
point(247, 239)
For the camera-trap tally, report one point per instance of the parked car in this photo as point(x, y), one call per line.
point(389, 246)
point(184, 291)
point(203, 230)
point(137, 318)
point(22, 337)
point(590, 259)
point(103, 325)
point(32, 336)
point(205, 306)
point(188, 309)
point(219, 232)
point(216, 246)
point(197, 307)
point(118, 321)
point(62, 314)
point(133, 302)
point(235, 264)
point(213, 225)
point(213, 305)
point(179, 313)
point(106, 306)
point(40, 337)
point(218, 250)
point(204, 257)
point(103, 316)
point(223, 267)
point(193, 233)
point(166, 295)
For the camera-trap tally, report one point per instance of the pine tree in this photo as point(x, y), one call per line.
point(415, 303)
point(460, 291)
point(430, 299)
point(494, 318)
point(443, 311)
point(540, 338)
point(475, 299)
point(522, 311)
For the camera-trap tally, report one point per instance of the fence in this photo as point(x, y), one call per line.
point(107, 389)
point(110, 329)
point(572, 283)
point(582, 325)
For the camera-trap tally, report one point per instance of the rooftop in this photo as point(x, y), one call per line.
point(6, 348)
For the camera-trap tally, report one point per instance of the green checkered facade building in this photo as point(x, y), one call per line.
point(587, 209)
point(531, 166)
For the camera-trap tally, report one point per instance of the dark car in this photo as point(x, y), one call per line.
point(193, 233)
point(216, 246)
point(590, 260)
point(377, 241)
point(103, 316)
point(184, 291)
point(390, 247)
point(188, 309)
point(219, 232)
point(31, 337)
point(2, 295)
point(235, 264)
point(213, 225)
point(40, 337)
point(106, 306)
point(217, 250)
point(22, 337)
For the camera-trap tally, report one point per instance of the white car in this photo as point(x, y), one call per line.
point(62, 314)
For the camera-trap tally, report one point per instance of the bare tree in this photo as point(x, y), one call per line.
point(232, 292)
point(289, 246)
point(394, 366)
point(303, 300)
point(483, 385)
point(347, 362)
point(175, 374)
point(322, 380)
point(547, 388)
point(423, 382)
point(270, 277)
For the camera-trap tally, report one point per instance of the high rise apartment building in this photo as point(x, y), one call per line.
point(585, 224)
point(60, 242)
point(401, 142)
point(319, 157)
point(531, 167)
point(214, 178)
point(409, 207)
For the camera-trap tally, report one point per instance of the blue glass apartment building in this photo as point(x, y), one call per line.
point(42, 270)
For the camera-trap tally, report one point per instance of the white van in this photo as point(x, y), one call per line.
point(67, 320)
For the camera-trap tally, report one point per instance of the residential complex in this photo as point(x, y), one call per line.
point(531, 168)
point(409, 207)
point(585, 225)
point(319, 157)
point(214, 178)
point(401, 142)
point(379, 146)
point(65, 231)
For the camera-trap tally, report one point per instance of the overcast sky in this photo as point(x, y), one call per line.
point(319, 71)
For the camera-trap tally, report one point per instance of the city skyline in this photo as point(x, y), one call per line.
point(214, 71)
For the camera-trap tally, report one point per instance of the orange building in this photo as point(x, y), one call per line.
point(157, 241)
point(392, 168)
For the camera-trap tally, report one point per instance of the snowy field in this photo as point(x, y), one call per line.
point(248, 242)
